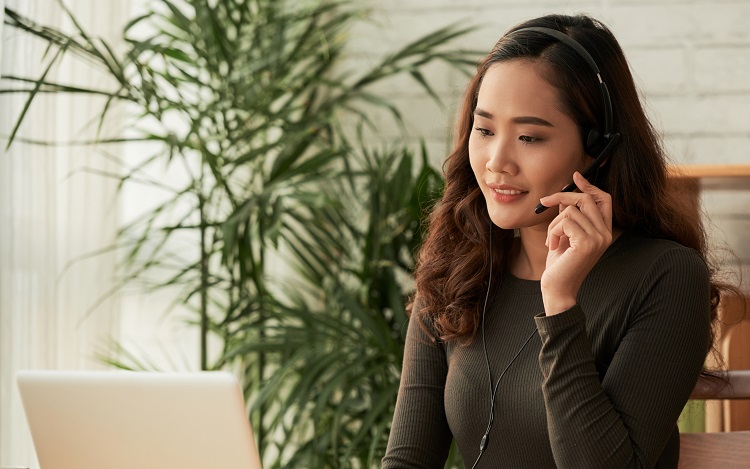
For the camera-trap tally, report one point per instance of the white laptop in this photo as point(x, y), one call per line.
point(137, 420)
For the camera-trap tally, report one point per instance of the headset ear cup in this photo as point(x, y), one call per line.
point(594, 143)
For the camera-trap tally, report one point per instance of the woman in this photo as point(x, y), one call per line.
point(573, 337)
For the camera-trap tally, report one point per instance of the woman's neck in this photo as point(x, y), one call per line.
point(528, 256)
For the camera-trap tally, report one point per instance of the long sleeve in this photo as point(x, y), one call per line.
point(626, 417)
point(420, 436)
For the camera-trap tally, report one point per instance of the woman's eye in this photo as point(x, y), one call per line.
point(527, 139)
point(483, 132)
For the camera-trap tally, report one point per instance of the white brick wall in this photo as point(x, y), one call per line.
point(690, 58)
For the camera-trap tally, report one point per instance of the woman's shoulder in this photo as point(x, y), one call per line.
point(632, 243)
point(643, 270)
point(647, 254)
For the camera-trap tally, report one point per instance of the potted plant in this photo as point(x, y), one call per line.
point(252, 101)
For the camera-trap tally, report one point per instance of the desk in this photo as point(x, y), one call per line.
point(734, 331)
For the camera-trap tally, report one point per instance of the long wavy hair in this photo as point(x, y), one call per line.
point(452, 265)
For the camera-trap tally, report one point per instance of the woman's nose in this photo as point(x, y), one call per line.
point(501, 158)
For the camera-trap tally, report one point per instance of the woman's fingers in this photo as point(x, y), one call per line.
point(587, 216)
point(602, 199)
point(580, 229)
point(586, 201)
point(599, 196)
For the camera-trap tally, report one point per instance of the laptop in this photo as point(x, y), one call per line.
point(128, 420)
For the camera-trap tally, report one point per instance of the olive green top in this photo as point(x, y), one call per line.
point(600, 385)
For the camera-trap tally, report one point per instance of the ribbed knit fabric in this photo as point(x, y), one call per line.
point(601, 385)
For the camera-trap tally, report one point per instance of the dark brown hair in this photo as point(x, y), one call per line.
point(452, 264)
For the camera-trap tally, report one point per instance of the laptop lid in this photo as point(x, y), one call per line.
point(127, 420)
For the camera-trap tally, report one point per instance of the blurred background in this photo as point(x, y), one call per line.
point(240, 185)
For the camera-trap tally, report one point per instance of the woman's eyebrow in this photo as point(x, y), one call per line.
point(532, 120)
point(517, 120)
point(482, 113)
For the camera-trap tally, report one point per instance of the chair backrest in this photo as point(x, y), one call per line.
point(718, 450)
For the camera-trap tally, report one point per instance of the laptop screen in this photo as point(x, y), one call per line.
point(126, 420)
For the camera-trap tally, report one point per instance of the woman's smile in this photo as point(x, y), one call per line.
point(503, 193)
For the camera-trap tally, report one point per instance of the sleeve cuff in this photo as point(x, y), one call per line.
point(559, 323)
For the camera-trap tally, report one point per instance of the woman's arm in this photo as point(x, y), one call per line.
point(627, 419)
point(420, 437)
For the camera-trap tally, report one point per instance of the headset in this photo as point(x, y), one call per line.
point(596, 142)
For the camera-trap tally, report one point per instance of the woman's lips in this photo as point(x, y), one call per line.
point(505, 193)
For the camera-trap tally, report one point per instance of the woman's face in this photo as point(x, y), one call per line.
point(522, 146)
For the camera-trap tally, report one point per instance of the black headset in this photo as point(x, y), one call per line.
point(596, 143)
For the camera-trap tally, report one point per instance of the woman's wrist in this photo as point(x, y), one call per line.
point(556, 304)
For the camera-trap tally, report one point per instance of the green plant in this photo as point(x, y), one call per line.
point(342, 345)
point(247, 99)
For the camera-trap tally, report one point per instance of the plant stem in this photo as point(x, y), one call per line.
point(261, 332)
point(204, 280)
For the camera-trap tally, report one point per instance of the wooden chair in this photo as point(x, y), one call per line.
point(724, 450)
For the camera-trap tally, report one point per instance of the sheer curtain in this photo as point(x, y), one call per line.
point(54, 311)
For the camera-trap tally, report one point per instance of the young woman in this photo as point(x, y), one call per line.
point(569, 338)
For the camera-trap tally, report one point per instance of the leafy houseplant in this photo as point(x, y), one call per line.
point(248, 100)
point(343, 354)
